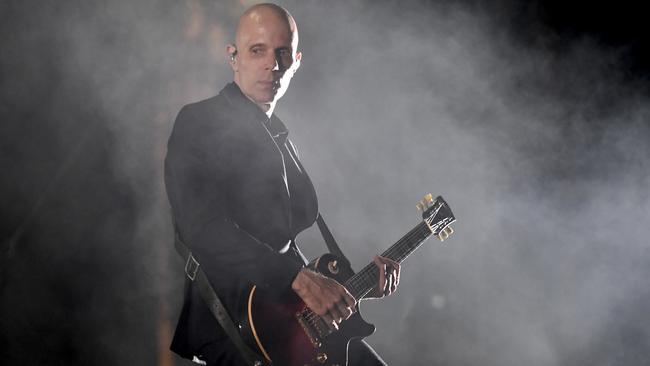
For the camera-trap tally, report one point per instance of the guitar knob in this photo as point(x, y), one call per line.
point(333, 267)
point(321, 357)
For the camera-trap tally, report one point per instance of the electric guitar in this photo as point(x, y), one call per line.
point(287, 333)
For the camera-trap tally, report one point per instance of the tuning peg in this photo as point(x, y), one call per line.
point(442, 236)
point(420, 207)
point(428, 199)
point(445, 233)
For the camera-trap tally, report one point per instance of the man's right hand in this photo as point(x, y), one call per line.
point(324, 296)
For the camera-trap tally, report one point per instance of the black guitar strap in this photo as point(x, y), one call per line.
point(330, 241)
point(195, 273)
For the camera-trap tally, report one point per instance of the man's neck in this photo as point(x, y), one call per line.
point(267, 108)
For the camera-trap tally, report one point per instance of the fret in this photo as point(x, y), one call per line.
point(365, 280)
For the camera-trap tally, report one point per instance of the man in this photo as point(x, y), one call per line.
point(239, 195)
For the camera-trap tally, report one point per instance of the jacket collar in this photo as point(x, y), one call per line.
point(238, 100)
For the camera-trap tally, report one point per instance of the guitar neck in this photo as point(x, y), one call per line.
point(365, 280)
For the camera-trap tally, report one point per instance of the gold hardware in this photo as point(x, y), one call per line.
point(321, 357)
point(333, 267)
point(312, 337)
point(425, 202)
point(445, 233)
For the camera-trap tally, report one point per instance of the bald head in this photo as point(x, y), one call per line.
point(261, 13)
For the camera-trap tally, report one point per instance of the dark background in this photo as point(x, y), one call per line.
point(542, 132)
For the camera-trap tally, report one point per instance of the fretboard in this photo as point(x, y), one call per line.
point(365, 280)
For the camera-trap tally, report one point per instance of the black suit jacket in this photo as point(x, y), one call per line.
point(238, 198)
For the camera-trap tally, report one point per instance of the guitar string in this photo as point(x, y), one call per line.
point(402, 248)
point(418, 233)
point(421, 232)
point(363, 278)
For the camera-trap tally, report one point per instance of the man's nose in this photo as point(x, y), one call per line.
point(272, 63)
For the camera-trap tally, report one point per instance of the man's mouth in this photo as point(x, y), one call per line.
point(270, 84)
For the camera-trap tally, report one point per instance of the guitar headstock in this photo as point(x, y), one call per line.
point(437, 215)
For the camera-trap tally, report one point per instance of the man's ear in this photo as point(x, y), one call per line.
point(296, 62)
point(231, 50)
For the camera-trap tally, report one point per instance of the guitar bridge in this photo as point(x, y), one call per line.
point(309, 323)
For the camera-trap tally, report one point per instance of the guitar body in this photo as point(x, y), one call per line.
point(285, 332)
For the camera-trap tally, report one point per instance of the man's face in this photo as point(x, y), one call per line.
point(265, 58)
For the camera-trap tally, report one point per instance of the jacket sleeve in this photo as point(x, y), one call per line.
point(197, 184)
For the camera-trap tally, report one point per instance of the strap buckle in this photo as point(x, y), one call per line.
point(191, 267)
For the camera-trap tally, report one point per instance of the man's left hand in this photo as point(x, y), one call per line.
point(389, 271)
